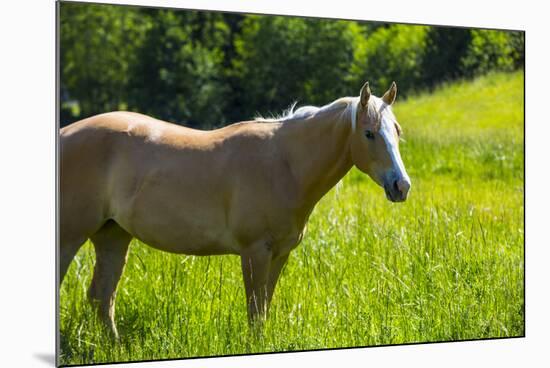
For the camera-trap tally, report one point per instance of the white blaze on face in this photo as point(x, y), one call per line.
point(388, 133)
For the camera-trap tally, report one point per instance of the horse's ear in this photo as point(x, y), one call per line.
point(365, 94)
point(389, 96)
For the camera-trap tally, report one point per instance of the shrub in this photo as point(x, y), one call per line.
point(279, 60)
point(492, 50)
point(390, 53)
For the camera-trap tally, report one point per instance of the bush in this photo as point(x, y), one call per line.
point(98, 47)
point(392, 53)
point(280, 60)
point(206, 69)
point(179, 76)
point(492, 50)
point(445, 48)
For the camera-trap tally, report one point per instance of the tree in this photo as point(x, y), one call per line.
point(280, 60)
point(445, 49)
point(492, 50)
point(179, 72)
point(98, 45)
point(392, 53)
point(207, 69)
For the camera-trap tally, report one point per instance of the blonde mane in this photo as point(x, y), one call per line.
point(375, 108)
point(307, 111)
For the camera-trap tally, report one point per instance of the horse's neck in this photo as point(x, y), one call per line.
point(318, 152)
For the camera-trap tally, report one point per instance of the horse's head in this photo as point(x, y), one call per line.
point(375, 142)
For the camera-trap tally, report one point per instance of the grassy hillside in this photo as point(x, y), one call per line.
point(445, 265)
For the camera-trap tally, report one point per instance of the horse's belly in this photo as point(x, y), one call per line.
point(192, 244)
point(186, 237)
point(180, 226)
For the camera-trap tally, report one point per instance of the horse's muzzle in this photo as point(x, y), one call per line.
point(398, 190)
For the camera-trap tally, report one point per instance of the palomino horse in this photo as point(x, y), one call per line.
point(245, 189)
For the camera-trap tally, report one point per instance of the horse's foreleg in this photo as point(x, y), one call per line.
point(277, 265)
point(111, 248)
point(255, 263)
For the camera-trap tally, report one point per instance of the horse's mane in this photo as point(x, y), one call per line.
point(307, 111)
point(375, 107)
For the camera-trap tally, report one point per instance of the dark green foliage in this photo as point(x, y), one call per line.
point(391, 53)
point(280, 60)
point(99, 47)
point(445, 48)
point(182, 78)
point(206, 69)
point(493, 50)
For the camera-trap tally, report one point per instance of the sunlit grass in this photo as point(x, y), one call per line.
point(445, 265)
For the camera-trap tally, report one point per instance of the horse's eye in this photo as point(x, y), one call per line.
point(369, 134)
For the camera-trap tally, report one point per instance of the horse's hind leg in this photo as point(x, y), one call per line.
point(71, 238)
point(67, 251)
point(111, 248)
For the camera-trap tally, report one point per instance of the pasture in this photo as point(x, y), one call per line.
point(448, 264)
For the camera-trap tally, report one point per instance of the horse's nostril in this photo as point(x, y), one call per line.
point(396, 186)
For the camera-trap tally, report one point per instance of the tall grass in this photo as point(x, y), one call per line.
point(445, 265)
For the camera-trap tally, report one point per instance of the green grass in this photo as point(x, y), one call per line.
point(445, 265)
